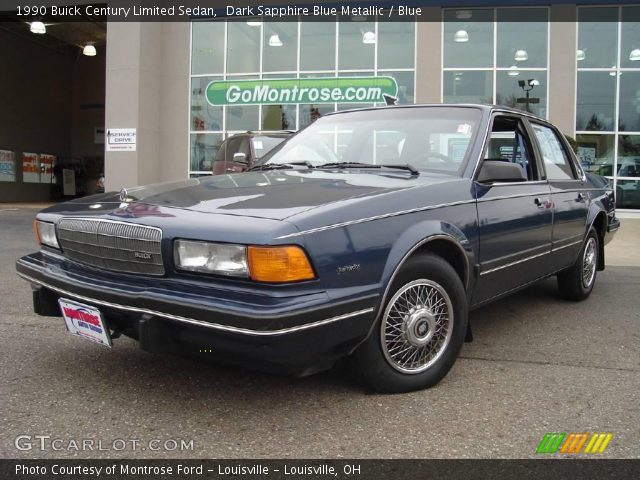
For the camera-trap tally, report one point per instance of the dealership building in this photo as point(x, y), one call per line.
point(157, 85)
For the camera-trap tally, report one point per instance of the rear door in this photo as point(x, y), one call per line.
point(514, 218)
point(569, 194)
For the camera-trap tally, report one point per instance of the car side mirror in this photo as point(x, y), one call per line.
point(240, 158)
point(500, 171)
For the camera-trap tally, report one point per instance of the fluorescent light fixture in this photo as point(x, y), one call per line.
point(513, 71)
point(461, 36)
point(368, 37)
point(521, 56)
point(580, 55)
point(254, 23)
point(89, 50)
point(274, 40)
point(38, 27)
point(463, 14)
point(634, 56)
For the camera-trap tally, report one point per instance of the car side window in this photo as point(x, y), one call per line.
point(508, 142)
point(244, 147)
point(555, 158)
point(231, 147)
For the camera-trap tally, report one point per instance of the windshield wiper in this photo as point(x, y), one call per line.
point(281, 166)
point(406, 166)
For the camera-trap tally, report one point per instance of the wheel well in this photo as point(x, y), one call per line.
point(599, 225)
point(450, 252)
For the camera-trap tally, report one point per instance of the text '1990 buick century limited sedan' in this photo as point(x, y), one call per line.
point(369, 235)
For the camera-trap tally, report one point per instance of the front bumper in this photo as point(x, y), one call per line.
point(275, 331)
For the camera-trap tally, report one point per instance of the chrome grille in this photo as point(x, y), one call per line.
point(120, 246)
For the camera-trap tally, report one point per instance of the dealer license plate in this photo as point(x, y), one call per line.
point(85, 321)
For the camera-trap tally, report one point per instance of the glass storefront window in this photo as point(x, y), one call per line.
point(280, 44)
point(204, 147)
point(629, 113)
point(468, 87)
point(203, 115)
point(511, 90)
point(597, 37)
point(396, 44)
point(406, 82)
point(628, 156)
point(243, 47)
point(522, 37)
point(310, 113)
point(356, 45)
point(628, 194)
point(206, 55)
point(242, 117)
point(468, 38)
point(596, 153)
point(596, 99)
point(279, 117)
point(365, 46)
point(317, 46)
point(630, 52)
point(473, 60)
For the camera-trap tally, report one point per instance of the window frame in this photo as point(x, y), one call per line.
point(576, 169)
point(531, 148)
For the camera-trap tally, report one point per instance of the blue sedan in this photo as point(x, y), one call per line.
point(369, 235)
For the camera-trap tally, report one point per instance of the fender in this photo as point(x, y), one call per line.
point(596, 208)
point(417, 236)
point(411, 240)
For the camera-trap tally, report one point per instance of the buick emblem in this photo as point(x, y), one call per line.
point(142, 255)
point(124, 195)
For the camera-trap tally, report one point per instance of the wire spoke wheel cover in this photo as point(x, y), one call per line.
point(417, 326)
point(589, 260)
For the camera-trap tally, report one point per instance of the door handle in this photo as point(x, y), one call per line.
point(542, 202)
point(581, 197)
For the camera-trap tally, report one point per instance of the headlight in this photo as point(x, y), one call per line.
point(219, 258)
point(46, 233)
point(277, 264)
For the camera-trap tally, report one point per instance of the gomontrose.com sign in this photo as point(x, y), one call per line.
point(303, 90)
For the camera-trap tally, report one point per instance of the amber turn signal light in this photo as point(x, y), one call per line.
point(36, 232)
point(279, 264)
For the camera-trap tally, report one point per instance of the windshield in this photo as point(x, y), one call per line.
point(263, 144)
point(434, 139)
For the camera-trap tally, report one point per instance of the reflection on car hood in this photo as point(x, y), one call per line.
point(270, 194)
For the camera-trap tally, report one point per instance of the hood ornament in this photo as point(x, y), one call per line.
point(124, 195)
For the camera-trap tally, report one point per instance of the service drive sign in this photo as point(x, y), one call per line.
point(121, 139)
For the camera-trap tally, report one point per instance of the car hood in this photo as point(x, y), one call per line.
point(273, 194)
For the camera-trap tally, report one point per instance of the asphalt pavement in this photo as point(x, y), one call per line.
point(538, 364)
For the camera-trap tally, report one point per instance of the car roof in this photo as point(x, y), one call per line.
point(485, 107)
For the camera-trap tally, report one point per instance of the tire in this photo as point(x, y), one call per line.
point(420, 331)
point(576, 283)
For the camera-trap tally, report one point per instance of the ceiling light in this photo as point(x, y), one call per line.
point(368, 37)
point(38, 27)
point(580, 55)
point(89, 50)
point(521, 56)
point(254, 23)
point(513, 71)
point(461, 36)
point(634, 56)
point(463, 14)
point(274, 40)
